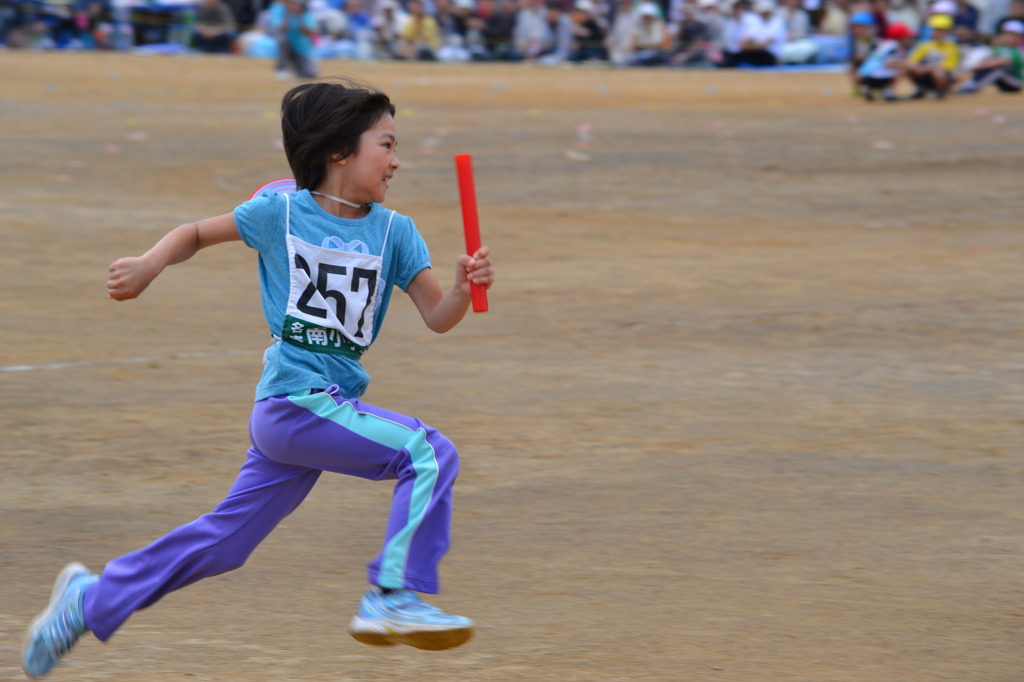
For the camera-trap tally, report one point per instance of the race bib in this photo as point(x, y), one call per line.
point(332, 297)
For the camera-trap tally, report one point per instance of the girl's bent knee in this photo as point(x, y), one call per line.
point(447, 454)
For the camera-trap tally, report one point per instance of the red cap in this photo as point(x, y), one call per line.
point(898, 32)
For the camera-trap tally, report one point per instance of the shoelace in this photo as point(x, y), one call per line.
point(62, 634)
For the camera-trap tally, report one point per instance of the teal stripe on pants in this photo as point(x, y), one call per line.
point(397, 437)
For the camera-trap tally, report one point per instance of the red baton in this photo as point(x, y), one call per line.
point(470, 222)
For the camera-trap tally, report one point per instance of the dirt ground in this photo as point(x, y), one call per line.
point(747, 405)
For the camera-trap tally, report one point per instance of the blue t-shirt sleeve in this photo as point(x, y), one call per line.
point(257, 218)
point(413, 255)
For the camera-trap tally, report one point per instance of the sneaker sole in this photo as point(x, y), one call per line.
point(369, 632)
point(64, 578)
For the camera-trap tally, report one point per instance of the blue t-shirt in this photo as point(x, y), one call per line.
point(261, 223)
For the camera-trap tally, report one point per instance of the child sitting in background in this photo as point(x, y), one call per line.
point(885, 64)
point(933, 64)
point(1004, 64)
point(862, 43)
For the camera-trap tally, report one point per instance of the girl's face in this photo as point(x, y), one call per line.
point(367, 172)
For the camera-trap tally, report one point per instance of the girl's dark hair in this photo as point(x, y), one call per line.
point(323, 122)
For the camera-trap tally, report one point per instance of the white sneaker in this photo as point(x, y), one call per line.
point(400, 617)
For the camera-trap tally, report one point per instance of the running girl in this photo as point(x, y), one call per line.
point(329, 256)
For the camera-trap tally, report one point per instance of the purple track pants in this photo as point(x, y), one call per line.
point(294, 439)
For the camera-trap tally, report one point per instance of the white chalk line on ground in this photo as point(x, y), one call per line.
point(126, 361)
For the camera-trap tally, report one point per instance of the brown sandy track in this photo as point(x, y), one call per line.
point(747, 405)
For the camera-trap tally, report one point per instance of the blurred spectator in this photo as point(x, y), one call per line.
point(214, 27)
point(94, 25)
point(531, 29)
point(965, 21)
point(294, 26)
point(8, 19)
point(1003, 66)
point(691, 33)
point(453, 17)
point(815, 12)
point(673, 10)
point(331, 22)
point(44, 25)
point(862, 41)
point(947, 7)
point(966, 18)
point(799, 47)
point(23, 25)
point(943, 7)
point(589, 31)
point(884, 66)
point(933, 63)
point(693, 46)
point(619, 39)
point(387, 23)
point(420, 38)
point(880, 13)
point(558, 45)
point(453, 23)
point(1015, 13)
point(59, 20)
point(148, 25)
point(834, 19)
point(359, 28)
point(770, 35)
point(904, 12)
point(991, 12)
point(495, 23)
point(732, 32)
point(796, 18)
point(973, 48)
point(245, 12)
point(650, 37)
point(709, 12)
point(761, 35)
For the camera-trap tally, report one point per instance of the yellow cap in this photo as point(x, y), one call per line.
point(941, 21)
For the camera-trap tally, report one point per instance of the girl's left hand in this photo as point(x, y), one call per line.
point(475, 269)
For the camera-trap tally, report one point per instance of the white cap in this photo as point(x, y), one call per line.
point(1014, 26)
point(649, 9)
point(704, 4)
point(762, 6)
point(943, 7)
point(584, 5)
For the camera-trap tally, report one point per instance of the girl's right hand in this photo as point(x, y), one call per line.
point(129, 277)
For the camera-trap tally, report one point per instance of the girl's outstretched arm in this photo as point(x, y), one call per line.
point(130, 276)
point(441, 310)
